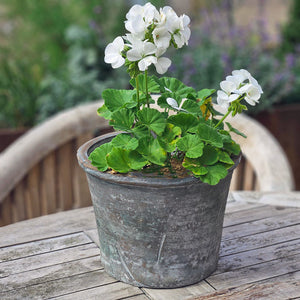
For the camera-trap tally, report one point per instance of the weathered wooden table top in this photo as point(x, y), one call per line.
point(57, 256)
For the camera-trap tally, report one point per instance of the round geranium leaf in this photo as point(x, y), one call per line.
point(153, 119)
point(214, 174)
point(98, 156)
point(191, 144)
point(187, 122)
point(125, 141)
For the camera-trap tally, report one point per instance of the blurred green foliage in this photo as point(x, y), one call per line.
point(52, 56)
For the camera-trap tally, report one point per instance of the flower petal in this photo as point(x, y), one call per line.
point(146, 62)
point(134, 55)
point(227, 86)
point(162, 65)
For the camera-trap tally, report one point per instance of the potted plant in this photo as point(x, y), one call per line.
point(159, 185)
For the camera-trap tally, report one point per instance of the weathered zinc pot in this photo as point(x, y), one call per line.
point(156, 232)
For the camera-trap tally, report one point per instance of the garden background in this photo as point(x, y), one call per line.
point(51, 57)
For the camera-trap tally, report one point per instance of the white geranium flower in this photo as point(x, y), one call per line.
point(245, 75)
point(237, 80)
point(140, 17)
point(162, 65)
point(252, 93)
point(146, 62)
point(161, 37)
point(228, 86)
point(186, 31)
point(224, 99)
point(113, 53)
point(254, 82)
point(178, 26)
point(142, 51)
point(135, 21)
point(151, 14)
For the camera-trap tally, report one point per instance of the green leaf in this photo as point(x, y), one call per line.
point(225, 158)
point(232, 148)
point(205, 93)
point(125, 141)
point(98, 156)
point(153, 86)
point(140, 131)
point(168, 138)
point(123, 161)
point(192, 145)
point(236, 131)
point(187, 122)
point(194, 165)
point(117, 99)
point(152, 119)
point(152, 150)
point(209, 156)
point(176, 86)
point(210, 135)
point(226, 138)
point(192, 107)
point(104, 112)
point(122, 119)
point(214, 174)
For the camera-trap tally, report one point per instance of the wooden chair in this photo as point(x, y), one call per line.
point(39, 173)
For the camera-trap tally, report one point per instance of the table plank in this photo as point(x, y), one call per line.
point(255, 214)
point(262, 225)
point(47, 259)
point(117, 290)
point(201, 288)
point(50, 273)
point(234, 206)
point(266, 291)
point(256, 256)
point(42, 246)
point(255, 273)
point(287, 199)
point(48, 226)
point(264, 239)
point(60, 286)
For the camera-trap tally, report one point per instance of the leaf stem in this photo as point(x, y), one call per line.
point(137, 92)
point(146, 85)
point(224, 117)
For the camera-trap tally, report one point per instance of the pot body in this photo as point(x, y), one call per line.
point(156, 232)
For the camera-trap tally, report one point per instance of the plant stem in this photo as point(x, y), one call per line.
point(224, 117)
point(137, 93)
point(146, 85)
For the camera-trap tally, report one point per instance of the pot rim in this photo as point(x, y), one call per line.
point(132, 178)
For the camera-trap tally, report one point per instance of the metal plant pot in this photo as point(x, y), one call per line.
point(156, 232)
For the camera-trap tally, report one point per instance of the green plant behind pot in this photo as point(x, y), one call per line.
point(19, 90)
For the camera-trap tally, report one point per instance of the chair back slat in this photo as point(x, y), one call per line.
point(48, 184)
point(82, 196)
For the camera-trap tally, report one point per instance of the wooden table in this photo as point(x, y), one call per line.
point(57, 256)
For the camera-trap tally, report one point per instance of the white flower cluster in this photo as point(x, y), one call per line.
point(240, 83)
point(151, 34)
